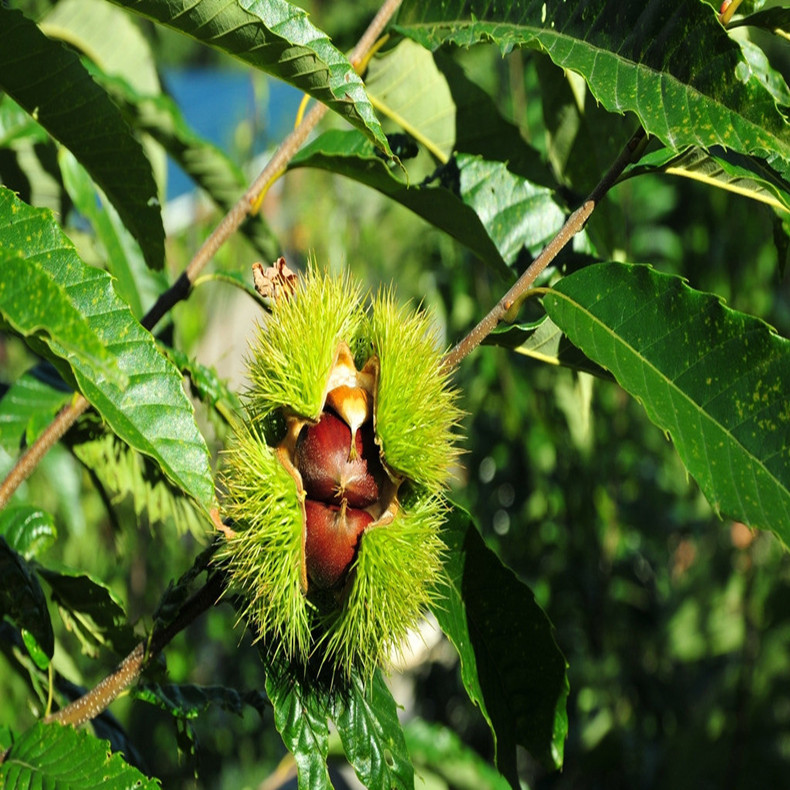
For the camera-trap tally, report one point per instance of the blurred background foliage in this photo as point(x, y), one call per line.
point(675, 623)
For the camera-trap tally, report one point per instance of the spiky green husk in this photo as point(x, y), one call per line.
point(294, 351)
point(416, 411)
point(264, 556)
point(395, 572)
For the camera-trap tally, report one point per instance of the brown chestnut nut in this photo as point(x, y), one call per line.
point(332, 470)
point(332, 535)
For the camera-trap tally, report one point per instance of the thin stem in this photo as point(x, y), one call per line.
point(24, 467)
point(572, 226)
point(92, 703)
point(180, 289)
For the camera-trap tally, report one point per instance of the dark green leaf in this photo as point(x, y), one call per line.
point(277, 38)
point(438, 751)
point(716, 380)
point(543, 340)
point(28, 530)
point(671, 64)
point(482, 204)
point(54, 756)
point(303, 726)
point(49, 81)
point(91, 609)
point(367, 720)
point(510, 664)
point(29, 403)
point(188, 701)
point(148, 409)
point(22, 601)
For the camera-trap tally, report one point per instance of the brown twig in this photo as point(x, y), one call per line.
point(572, 226)
point(181, 287)
point(92, 703)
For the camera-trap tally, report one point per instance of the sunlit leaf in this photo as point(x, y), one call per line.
point(27, 530)
point(144, 403)
point(277, 38)
point(51, 755)
point(482, 204)
point(672, 64)
point(714, 379)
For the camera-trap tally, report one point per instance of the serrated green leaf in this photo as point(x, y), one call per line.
point(652, 58)
point(406, 86)
point(742, 175)
point(22, 601)
point(482, 204)
point(439, 751)
point(543, 340)
point(373, 741)
point(277, 38)
point(510, 664)
point(714, 379)
point(28, 530)
point(188, 701)
point(150, 412)
point(303, 726)
point(28, 404)
point(54, 756)
point(91, 609)
point(48, 80)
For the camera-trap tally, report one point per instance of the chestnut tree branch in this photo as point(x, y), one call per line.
point(572, 226)
point(180, 289)
point(95, 701)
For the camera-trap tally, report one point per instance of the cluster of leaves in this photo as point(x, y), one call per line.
point(82, 128)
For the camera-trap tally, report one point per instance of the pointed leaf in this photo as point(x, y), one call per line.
point(482, 204)
point(510, 664)
point(22, 601)
point(27, 529)
point(715, 379)
point(304, 729)
point(277, 38)
point(776, 20)
point(48, 80)
point(672, 64)
point(743, 175)
point(148, 409)
point(51, 755)
point(367, 720)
